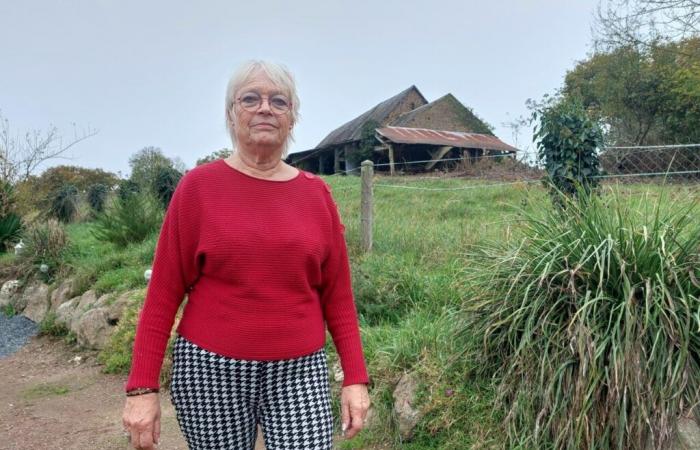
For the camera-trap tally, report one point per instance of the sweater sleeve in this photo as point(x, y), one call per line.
point(175, 269)
point(339, 305)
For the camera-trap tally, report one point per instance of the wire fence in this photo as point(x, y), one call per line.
point(668, 164)
point(643, 164)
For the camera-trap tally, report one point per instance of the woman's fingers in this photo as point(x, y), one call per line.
point(156, 432)
point(345, 414)
point(357, 421)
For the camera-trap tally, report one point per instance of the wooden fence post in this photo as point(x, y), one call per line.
point(366, 205)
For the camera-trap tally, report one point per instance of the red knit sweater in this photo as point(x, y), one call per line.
point(263, 264)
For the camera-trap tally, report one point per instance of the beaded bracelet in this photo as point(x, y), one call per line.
point(141, 391)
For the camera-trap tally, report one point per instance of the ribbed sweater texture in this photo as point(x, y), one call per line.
point(265, 269)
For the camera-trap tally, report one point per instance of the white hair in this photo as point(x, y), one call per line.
point(280, 76)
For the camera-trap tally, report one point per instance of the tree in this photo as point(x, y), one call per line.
point(643, 96)
point(219, 154)
point(145, 165)
point(36, 192)
point(641, 23)
point(20, 157)
point(165, 184)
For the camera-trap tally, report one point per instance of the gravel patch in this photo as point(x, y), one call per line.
point(15, 331)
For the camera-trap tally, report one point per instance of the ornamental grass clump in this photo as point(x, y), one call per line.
point(589, 321)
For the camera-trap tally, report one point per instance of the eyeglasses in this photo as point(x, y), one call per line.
point(251, 102)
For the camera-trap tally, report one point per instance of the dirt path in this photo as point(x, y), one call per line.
point(50, 401)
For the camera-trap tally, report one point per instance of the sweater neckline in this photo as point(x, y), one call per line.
point(298, 175)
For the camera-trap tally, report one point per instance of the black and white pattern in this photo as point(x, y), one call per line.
point(219, 401)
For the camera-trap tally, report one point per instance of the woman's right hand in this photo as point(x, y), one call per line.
point(141, 419)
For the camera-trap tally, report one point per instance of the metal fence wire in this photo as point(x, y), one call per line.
point(674, 163)
point(645, 164)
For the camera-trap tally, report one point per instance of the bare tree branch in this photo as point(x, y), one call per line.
point(642, 23)
point(20, 157)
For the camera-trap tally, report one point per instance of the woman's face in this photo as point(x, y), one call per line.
point(263, 129)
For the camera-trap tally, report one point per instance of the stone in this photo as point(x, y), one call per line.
point(688, 437)
point(36, 300)
point(404, 396)
point(92, 329)
point(85, 303)
point(115, 310)
point(62, 293)
point(66, 311)
point(8, 292)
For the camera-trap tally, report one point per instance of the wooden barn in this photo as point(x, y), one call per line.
point(404, 132)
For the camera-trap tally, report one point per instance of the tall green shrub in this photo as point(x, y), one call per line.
point(590, 322)
point(165, 183)
point(127, 188)
point(96, 196)
point(567, 142)
point(129, 220)
point(64, 204)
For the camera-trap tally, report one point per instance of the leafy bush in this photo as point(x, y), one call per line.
point(129, 220)
point(367, 143)
point(10, 227)
point(127, 188)
point(96, 196)
point(165, 183)
point(44, 243)
point(64, 205)
point(567, 142)
point(590, 322)
point(10, 221)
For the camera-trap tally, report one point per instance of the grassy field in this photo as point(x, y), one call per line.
point(408, 291)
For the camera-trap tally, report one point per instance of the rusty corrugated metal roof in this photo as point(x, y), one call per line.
point(402, 135)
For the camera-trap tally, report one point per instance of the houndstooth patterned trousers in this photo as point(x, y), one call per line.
point(219, 401)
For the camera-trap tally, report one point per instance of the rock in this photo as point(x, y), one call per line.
point(66, 311)
point(92, 329)
point(115, 311)
point(103, 300)
point(404, 396)
point(62, 293)
point(688, 434)
point(36, 300)
point(8, 292)
point(85, 303)
point(370, 418)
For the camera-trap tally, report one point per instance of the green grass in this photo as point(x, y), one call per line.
point(409, 292)
point(589, 320)
point(44, 390)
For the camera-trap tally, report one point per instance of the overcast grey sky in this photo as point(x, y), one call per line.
point(154, 73)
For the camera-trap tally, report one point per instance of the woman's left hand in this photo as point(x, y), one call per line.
point(354, 403)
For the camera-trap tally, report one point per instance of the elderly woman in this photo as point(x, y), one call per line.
point(258, 247)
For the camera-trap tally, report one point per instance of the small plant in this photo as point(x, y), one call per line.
point(64, 205)
point(8, 310)
point(48, 326)
point(96, 195)
point(129, 220)
point(10, 221)
point(10, 228)
point(44, 244)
